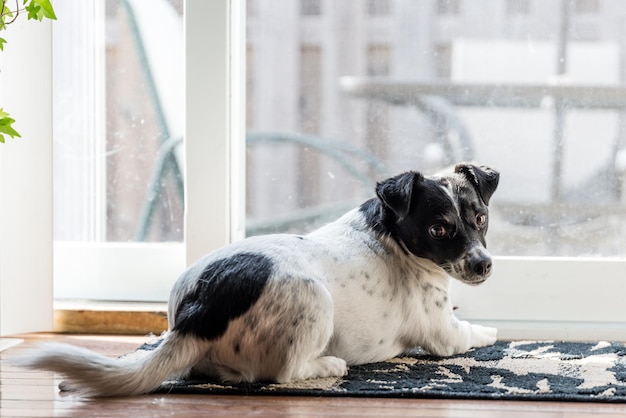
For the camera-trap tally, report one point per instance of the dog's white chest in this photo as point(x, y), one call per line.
point(380, 302)
point(370, 316)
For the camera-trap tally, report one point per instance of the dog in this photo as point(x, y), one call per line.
point(282, 308)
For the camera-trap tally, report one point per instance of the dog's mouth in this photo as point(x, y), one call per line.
point(464, 272)
point(475, 281)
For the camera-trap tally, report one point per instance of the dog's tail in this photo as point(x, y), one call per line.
point(96, 375)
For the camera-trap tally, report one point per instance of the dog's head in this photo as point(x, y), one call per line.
point(443, 218)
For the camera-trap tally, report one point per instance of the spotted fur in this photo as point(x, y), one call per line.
point(281, 308)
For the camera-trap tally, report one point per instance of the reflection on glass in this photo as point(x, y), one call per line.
point(339, 98)
point(118, 116)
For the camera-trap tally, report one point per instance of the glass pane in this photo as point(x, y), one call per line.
point(118, 113)
point(342, 94)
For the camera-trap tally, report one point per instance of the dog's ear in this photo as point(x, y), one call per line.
point(484, 179)
point(395, 192)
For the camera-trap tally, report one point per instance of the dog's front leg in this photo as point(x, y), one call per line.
point(482, 336)
point(453, 336)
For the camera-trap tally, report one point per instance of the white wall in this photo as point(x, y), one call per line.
point(26, 180)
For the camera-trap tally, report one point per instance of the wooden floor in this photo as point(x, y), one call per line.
point(35, 394)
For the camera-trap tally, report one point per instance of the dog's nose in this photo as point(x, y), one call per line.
point(481, 266)
point(479, 261)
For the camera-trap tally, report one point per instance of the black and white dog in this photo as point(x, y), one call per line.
point(281, 308)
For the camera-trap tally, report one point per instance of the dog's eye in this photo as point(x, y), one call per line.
point(481, 220)
point(438, 231)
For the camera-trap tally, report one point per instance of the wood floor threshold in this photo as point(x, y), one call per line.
point(35, 394)
point(101, 317)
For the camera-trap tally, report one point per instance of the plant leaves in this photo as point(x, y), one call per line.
point(6, 126)
point(37, 9)
point(34, 11)
point(8, 129)
point(46, 9)
point(7, 13)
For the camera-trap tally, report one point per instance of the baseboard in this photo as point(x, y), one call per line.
point(130, 318)
point(98, 317)
point(557, 330)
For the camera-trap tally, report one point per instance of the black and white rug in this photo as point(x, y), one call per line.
point(514, 370)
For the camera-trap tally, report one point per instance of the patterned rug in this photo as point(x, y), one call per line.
point(518, 370)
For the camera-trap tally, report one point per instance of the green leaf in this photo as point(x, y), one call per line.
point(6, 16)
point(1, 139)
point(8, 129)
point(7, 13)
point(6, 126)
point(46, 9)
point(2, 42)
point(34, 11)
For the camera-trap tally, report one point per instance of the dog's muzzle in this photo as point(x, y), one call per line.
point(478, 264)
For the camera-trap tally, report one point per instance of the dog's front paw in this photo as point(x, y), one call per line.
point(483, 336)
point(328, 366)
point(331, 366)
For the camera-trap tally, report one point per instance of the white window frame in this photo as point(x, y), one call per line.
point(553, 298)
point(213, 145)
point(214, 152)
point(549, 298)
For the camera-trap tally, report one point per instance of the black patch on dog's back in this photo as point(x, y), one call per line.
point(226, 289)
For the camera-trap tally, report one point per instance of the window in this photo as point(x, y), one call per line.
point(406, 96)
point(118, 111)
point(554, 209)
point(560, 268)
point(125, 149)
point(101, 187)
